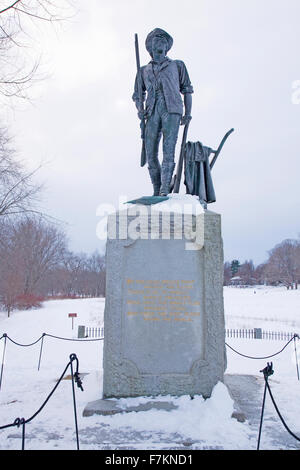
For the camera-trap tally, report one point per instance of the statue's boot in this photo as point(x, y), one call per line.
point(166, 177)
point(155, 179)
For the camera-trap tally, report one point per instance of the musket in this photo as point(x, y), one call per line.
point(140, 98)
point(177, 177)
point(217, 152)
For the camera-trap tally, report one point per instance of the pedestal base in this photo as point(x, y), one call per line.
point(164, 316)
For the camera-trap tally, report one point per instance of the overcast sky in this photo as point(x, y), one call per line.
point(243, 61)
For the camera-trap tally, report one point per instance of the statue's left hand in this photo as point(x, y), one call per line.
point(185, 119)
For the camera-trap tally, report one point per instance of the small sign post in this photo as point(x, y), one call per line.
point(72, 315)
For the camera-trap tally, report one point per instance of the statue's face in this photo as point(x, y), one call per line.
point(159, 49)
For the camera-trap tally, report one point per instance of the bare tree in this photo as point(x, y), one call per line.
point(283, 265)
point(247, 273)
point(85, 274)
point(41, 247)
point(227, 273)
point(260, 273)
point(29, 249)
point(19, 192)
point(73, 265)
point(17, 19)
point(77, 275)
point(95, 275)
point(11, 279)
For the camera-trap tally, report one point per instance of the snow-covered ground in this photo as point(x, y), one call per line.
point(194, 424)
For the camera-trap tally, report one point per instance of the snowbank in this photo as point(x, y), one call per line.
point(195, 424)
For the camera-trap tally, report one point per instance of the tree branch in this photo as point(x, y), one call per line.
point(10, 7)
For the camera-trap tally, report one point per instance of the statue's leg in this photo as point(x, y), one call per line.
point(152, 139)
point(170, 128)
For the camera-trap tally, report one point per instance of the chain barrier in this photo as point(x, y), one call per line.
point(23, 345)
point(75, 379)
point(41, 338)
point(267, 371)
point(264, 357)
point(83, 340)
point(296, 336)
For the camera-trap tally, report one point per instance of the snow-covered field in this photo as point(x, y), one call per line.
point(195, 424)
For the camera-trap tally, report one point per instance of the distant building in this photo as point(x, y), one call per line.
point(236, 281)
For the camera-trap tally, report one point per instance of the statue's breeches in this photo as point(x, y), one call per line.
point(161, 123)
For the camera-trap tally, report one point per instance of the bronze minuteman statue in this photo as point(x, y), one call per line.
point(161, 83)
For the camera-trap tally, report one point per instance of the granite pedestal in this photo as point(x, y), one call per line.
point(164, 317)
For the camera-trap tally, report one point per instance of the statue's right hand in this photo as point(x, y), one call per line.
point(141, 115)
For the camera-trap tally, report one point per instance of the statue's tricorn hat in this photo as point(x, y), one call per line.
point(157, 32)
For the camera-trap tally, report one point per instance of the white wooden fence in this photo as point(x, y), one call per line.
point(90, 331)
point(258, 333)
point(254, 333)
